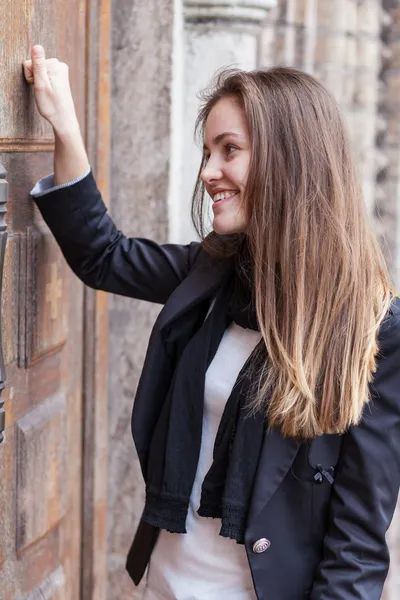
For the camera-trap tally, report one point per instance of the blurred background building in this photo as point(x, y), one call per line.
point(163, 53)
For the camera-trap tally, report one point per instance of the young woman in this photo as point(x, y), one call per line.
point(267, 418)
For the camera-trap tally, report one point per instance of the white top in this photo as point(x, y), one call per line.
point(201, 564)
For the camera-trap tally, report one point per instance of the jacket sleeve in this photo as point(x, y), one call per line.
point(355, 555)
point(101, 256)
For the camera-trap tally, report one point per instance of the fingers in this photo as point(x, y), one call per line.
point(28, 70)
point(52, 65)
point(41, 78)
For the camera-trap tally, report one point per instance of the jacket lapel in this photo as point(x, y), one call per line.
point(200, 284)
point(277, 455)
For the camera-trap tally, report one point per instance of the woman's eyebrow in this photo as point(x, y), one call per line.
point(221, 136)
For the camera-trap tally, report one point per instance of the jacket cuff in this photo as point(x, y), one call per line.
point(46, 184)
point(70, 209)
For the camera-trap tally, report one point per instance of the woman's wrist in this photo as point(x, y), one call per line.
point(66, 127)
point(70, 157)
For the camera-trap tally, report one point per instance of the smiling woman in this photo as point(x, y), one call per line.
point(260, 453)
point(277, 136)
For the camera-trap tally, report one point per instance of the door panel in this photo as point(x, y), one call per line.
point(41, 456)
point(60, 27)
point(42, 327)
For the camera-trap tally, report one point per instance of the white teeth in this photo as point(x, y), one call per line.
point(224, 195)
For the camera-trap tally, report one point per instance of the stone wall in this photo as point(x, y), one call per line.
point(353, 47)
point(141, 72)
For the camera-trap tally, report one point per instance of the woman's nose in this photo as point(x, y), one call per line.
point(210, 172)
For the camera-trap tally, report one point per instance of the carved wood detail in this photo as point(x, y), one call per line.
point(41, 459)
point(22, 145)
point(46, 297)
point(51, 587)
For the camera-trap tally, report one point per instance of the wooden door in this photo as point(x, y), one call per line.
point(47, 540)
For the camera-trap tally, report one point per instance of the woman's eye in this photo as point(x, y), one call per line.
point(230, 148)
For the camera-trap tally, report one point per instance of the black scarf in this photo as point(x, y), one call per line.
point(175, 445)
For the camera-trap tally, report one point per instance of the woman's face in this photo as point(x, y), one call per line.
point(227, 152)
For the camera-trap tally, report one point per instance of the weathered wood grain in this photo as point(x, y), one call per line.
point(41, 464)
point(42, 310)
point(95, 450)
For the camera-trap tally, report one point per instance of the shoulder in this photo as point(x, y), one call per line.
point(199, 256)
point(196, 254)
point(388, 356)
point(389, 333)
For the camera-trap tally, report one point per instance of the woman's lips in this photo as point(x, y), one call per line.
point(219, 203)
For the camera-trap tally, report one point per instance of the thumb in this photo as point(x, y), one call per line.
point(40, 75)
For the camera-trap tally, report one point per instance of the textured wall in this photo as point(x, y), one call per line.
point(353, 46)
point(141, 70)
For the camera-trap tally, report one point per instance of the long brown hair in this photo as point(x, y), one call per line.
point(321, 284)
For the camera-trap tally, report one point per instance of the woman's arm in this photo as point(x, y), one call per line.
point(355, 555)
point(99, 254)
point(54, 101)
point(70, 158)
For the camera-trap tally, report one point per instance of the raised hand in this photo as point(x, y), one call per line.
point(50, 79)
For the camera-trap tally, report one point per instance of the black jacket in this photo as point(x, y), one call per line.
point(324, 541)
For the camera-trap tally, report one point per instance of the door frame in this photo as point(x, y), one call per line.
point(97, 138)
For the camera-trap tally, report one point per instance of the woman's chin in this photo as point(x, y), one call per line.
point(221, 229)
point(224, 227)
